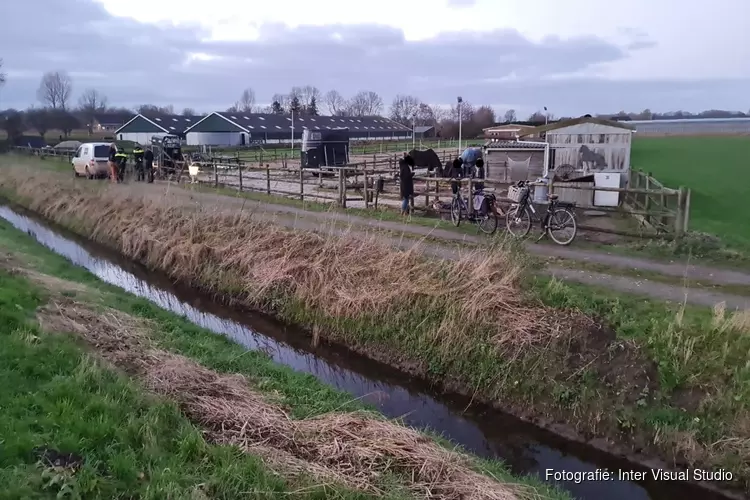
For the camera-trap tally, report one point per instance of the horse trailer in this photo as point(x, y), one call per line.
point(325, 148)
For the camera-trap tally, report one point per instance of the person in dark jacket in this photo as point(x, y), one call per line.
point(113, 162)
point(122, 162)
point(138, 155)
point(478, 174)
point(149, 166)
point(406, 182)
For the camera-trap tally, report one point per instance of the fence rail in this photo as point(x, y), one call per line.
point(372, 183)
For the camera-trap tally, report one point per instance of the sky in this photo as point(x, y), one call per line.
point(574, 56)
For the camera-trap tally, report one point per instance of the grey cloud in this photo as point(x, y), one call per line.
point(461, 3)
point(134, 63)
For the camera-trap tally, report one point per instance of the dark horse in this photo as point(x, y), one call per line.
point(428, 158)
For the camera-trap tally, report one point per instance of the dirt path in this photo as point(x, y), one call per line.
point(338, 223)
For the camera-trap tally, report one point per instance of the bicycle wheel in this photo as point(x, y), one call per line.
point(562, 227)
point(456, 211)
point(488, 223)
point(518, 221)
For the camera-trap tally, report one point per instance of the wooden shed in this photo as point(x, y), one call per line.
point(513, 161)
point(588, 145)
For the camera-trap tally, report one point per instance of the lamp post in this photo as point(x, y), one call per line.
point(292, 141)
point(413, 127)
point(546, 116)
point(459, 100)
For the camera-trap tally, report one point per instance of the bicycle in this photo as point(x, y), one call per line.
point(559, 216)
point(485, 219)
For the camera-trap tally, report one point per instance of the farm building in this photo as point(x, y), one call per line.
point(587, 145)
point(109, 122)
point(424, 131)
point(141, 128)
point(507, 131)
point(233, 129)
point(513, 161)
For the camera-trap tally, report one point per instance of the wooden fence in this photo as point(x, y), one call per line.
point(373, 184)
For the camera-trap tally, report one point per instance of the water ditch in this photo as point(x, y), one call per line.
point(484, 431)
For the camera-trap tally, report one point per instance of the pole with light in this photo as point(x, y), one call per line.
point(413, 128)
point(546, 116)
point(459, 100)
point(292, 143)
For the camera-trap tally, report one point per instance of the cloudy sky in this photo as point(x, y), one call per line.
point(573, 56)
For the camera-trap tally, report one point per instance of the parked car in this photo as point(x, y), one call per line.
point(91, 159)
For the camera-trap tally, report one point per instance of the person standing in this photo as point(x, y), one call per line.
point(122, 162)
point(138, 155)
point(406, 182)
point(113, 162)
point(149, 158)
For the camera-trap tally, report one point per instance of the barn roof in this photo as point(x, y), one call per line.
point(264, 122)
point(578, 121)
point(169, 124)
point(113, 118)
point(423, 128)
point(494, 144)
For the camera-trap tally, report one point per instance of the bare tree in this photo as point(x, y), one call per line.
point(55, 90)
point(334, 102)
point(3, 76)
point(188, 112)
point(282, 100)
point(309, 96)
point(365, 103)
point(426, 115)
point(537, 117)
point(510, 116)
point(152, 109)
point(404, 109)
point(247, 101)
point(90, 103)
point(40, 119)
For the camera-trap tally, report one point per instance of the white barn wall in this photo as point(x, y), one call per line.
point(214, 138)
point(610, 146)
point(142, 138)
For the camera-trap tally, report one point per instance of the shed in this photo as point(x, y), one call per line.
point(142, 128)
point(513, 161)
point(588, 145)
point(216, 129)
point(424, 131)
point(508, 131)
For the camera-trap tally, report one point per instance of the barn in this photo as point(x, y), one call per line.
point(142, 128)
point(587, 145)
point(236, 129)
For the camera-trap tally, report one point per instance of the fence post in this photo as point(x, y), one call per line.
point(301, 184)
point(687, 211)
point(377, 190)
point(268, 179)
point(471, 201)
point(427, 193)
point(366, 189)
point(647, 205)
point(216, 175)
point(343, 188)
point(679, 223)
point(239, 169)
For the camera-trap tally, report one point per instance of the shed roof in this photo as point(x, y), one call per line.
point(503, 126)
point(169, 124)
point(493, 144)
point(264, 122)
point(423, 128)
point(578, 121)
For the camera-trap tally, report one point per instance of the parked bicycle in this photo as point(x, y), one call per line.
point(485, 218)
point(559, 223)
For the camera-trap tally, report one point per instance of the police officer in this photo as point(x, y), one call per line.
point(122, 162)
point(113, 162)
point(138, 155)
point(149, 157)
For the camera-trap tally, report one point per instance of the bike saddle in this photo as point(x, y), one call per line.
point(552, 196)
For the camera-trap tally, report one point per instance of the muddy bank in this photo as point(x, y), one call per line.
point(556, 369)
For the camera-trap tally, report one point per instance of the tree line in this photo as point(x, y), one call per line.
point(56, 111)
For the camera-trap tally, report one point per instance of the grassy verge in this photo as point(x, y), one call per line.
point(116, 439)
point(672, 381)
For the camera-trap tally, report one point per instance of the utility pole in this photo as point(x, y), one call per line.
point(413, 136)
point(546, 116)
point(460, 120)
point(292, 142)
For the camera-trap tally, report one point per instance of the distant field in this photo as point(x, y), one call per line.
point(716, 169)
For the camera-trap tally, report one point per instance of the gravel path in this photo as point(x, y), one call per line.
point(294, 217)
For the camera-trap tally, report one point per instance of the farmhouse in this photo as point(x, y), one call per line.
point(108, 122)
point(141, 128)
point(507, 131)
point(236, 129)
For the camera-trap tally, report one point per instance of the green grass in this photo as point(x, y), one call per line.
point(55, 396)
point(134, 443)
point(715, 169)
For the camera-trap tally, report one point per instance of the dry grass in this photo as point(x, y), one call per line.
point(353, 449)
point(339, 277)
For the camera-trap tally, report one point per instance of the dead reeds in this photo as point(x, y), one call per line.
point(357, 450)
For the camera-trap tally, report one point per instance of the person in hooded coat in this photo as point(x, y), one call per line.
point(406, 182)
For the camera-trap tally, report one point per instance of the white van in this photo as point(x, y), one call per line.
point(92, 160)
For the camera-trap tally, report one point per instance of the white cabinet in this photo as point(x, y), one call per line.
point(606, 198)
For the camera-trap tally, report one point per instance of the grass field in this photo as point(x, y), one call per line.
point(71, 393)
point(716, 169)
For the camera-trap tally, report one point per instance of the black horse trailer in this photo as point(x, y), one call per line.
point(325, 148)
point(167, 155)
